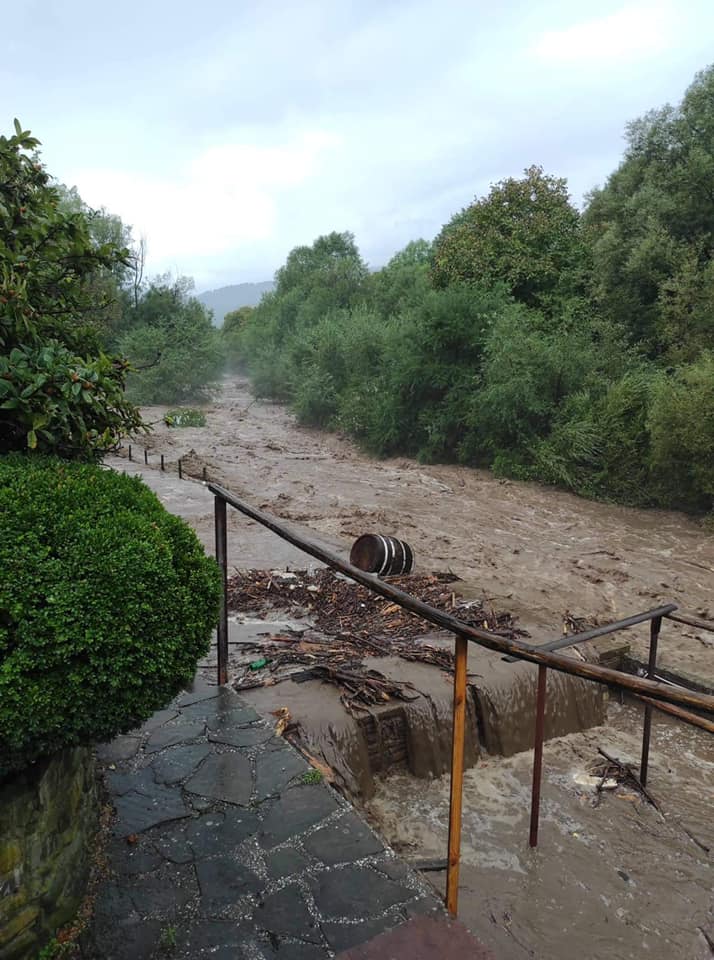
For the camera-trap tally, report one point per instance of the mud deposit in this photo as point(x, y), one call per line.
point(537, 551)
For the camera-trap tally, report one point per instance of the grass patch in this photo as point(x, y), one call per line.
point(312, 776)
point(167, 942)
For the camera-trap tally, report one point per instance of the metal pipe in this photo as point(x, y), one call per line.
point(204, 476)
point(146, 455)
point(457, 775)
point(180, 469)
point(655, 626)
point(574, 638)
point(130, 451)
point(693, 719)
point(691, 621)
point(219, 508)
point(162, 462)
point(538, 755)
point(554, 661)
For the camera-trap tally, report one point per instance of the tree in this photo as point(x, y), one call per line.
point(525, 233)
point(173, 348)
point(329, 275)
point(233, 324)
point(110, 285)
point(404, 281)
point(681, 424)
point(58, 391)
point(651, 228)
point(327, 278)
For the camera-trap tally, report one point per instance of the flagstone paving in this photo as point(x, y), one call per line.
point(223, 846)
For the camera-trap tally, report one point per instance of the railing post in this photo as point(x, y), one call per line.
point(655, 626)
point(538, 754)
point(219, 506)
point(457, 775)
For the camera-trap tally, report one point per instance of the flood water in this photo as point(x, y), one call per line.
point(616, 881)
point(612, 882)
point(537, 550)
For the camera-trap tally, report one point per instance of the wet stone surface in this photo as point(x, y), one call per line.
point(224, 776)
point(343, 841)
point(221, 849)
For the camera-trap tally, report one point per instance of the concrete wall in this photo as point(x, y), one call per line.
point(48, 819)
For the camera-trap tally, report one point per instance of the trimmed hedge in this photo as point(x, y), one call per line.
point(107, 601)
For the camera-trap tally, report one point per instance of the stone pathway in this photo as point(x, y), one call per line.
point(225, 846)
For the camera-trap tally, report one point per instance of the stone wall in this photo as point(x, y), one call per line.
point(48, 819)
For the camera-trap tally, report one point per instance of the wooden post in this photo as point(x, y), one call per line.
point(162, 462)
point(219, 506)
point(457, 775)
point(538, 754)
point(655, 626)
point(130, 451)
point(180, 470)
point(146, 456)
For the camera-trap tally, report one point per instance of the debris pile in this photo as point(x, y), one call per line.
point(336, 604)
point(349, 623)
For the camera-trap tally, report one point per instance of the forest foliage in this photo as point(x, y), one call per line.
point(544, 343)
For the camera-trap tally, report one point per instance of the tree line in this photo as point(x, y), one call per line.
point(573, 348)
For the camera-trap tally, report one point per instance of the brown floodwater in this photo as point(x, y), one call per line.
point(607, 882)
point(613, 882)
point(536, 550)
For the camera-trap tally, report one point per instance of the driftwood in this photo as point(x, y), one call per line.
point(624, 774)
point(351, 624)
point(336, 604)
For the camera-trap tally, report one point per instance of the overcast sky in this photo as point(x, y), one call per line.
point(228, 132)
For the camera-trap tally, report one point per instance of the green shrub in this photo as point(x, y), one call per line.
point(185, 417)
point(681, 425)
point(315, 400)
point(106, 603)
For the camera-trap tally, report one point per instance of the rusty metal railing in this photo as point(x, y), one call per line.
point(668, 697)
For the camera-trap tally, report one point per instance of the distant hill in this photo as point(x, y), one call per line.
point(225, 299)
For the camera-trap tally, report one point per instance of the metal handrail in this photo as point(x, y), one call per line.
point(589, 671)
point(667, 697)
point(571, 639)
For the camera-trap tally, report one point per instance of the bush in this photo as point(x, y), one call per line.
point(57, 403)
point(106, 603)
point(681, 425)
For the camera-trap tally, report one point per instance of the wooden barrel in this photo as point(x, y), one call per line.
point(385, 556)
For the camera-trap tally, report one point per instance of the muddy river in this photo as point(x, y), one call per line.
point(536, 550)
point(616, 879)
